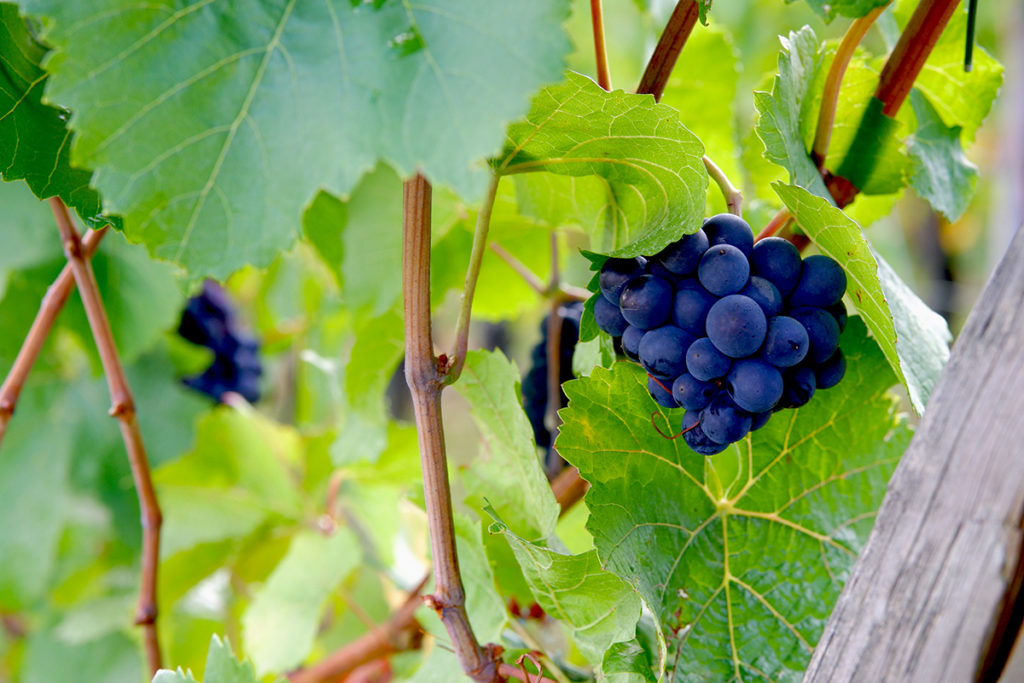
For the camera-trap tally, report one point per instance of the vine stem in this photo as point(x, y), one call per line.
point(380, 642)
point(521, 268)
point(509, 671)
point(733, 197)
point(604, 78)
point(476, 256)
point(426, 378)
point(830, 97)
point(666, 52)
point(51, 305)
point(777, 222)
point(553, 351)
point(123, 409)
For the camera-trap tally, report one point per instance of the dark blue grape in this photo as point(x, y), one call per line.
point(777, 261)
point(822, 283)
point(799, 383)
point(725, 228)
point(695, 437)
point(758, 420)
point(660, 393)
point(683, 256)
point(608, 317)
point(663, 351)
point(631, 342)
point(829, 373)
point(705, 362)
point(754, 385)
point(691, 393)
point(838, 311)
point(658, 270)
point(615, 273)
point(646, 302)
point(822, 331)
point(786, 342)
point(765, 294)
point(723, 421)
point(736, 325)
point(723, 270)
point(691, 305)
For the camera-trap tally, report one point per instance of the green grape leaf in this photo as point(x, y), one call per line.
point(913, 337)
point(829, 9)
point(35, 467)
point(601, 608)
point(703, 90)
point(114, 658)
point(196, 515)
point(280, 624)
point(961, 98)
point(507, 470)
point(378, 348)
point(27, 229)
point(221, 667)
point(322, 224)
point(649, 170)
point(942, 174)
point(740, 557)
point(213, 127)
point(788, 105)
point(34, 139)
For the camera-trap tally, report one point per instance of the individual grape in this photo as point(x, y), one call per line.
point(695, 437)
point(765, 294)
point(691, 393)
point(822, 332)
point(758, 420)
point(829, 373)
point(736, 325)
point(822, 283)
point(777, 261)
point(660, 393)
point(786, 342)
point(838, 311)
point(723, 270)
point(754, 385)
point(608, 317)
point(683, 256)
point(616, 273)
point(646, 302)
point(691, 305)
point(631, 342)
point(660, 271)
point(799, 383)
point(535, 383)
point(725, 228)
point(723, 421)
point(663, 351)
point(705, 362)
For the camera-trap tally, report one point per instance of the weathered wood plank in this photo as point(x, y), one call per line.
point(925, 596)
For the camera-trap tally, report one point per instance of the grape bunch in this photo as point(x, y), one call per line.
point(209, 320)
point(730, 330)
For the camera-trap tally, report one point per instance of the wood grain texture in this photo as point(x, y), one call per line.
point(935, 581)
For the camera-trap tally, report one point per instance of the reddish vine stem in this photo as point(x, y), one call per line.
point(400, 633)
point(830, 97)
point(123, 408)
point(604, 78)
point(509, 671)
point(51, 305)
point(426, 379)
point(666, 52)
point(776, 224)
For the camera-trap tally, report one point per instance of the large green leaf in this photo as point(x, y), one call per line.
point(280, 624)
point(788, 105)
point(828, 9)
point(213, 125)
point(601, 608)
point(942, 174)
point(34, 139)
point(632, 167)
point(913, 337)
point(221, 667)
point(740, 557)
point(507, 471)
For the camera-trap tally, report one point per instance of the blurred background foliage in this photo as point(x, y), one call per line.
point(330, 442)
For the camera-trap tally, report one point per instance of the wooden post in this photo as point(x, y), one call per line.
point(935, 596)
